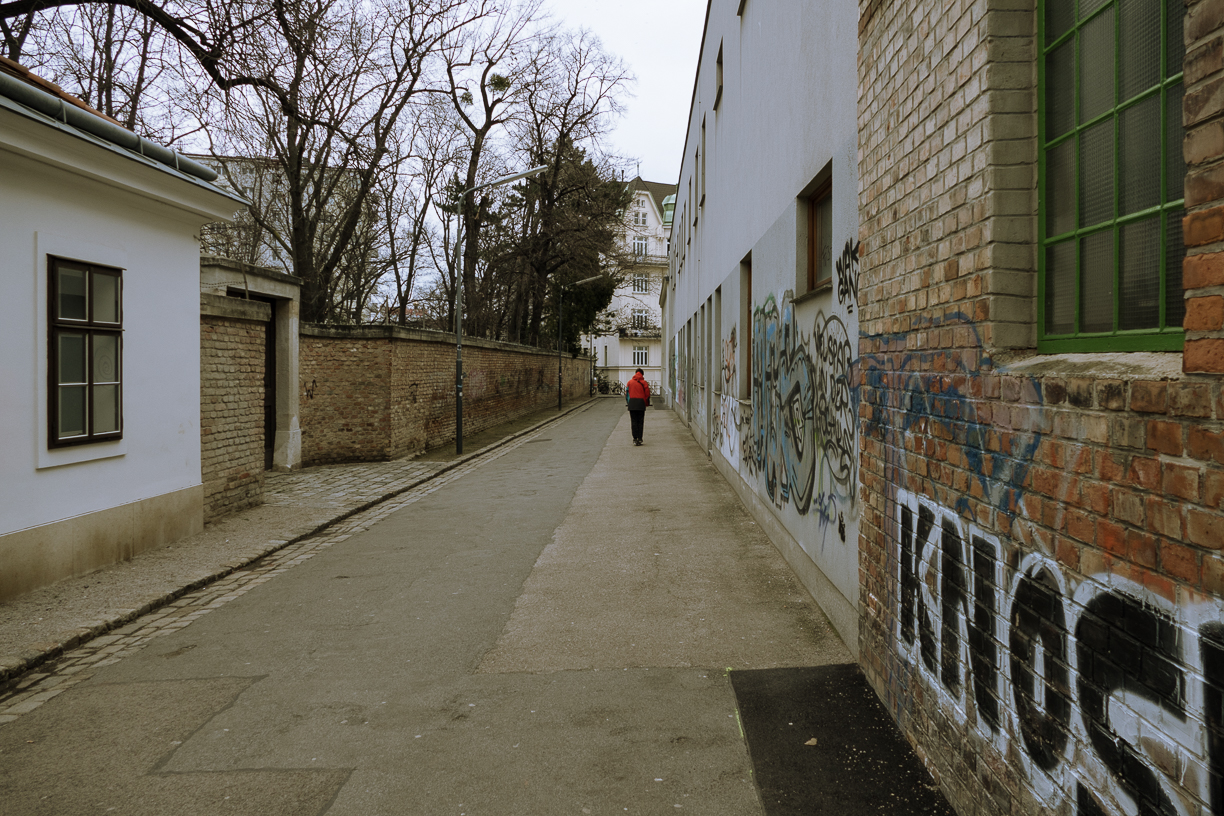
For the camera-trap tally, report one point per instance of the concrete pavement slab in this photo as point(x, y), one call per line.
point(491, 642)
point(658, 564)
point(45, 623)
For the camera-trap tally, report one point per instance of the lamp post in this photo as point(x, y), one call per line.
point(535, 171)
point(560, 291)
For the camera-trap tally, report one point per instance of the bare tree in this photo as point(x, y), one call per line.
point(575, 208)
point(16, 30)
point(487, 67)
point(350, 73)
point(226, 37)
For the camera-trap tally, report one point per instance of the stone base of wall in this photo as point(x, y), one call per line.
point(373, 393)
point(52, 552)
point(233, 342)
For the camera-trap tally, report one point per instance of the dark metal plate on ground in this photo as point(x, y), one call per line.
point(821, 743)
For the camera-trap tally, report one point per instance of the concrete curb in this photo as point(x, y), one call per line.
point(32, 660)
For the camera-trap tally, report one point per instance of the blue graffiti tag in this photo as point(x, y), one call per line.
point(927, 399)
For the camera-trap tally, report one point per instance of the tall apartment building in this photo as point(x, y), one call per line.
point(633, 316)
point(946, 307)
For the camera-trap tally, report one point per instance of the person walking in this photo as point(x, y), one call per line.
point(637, 395)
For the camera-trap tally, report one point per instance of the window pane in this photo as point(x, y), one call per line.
point(71, 358)
point(1139, 140)
point(824, 215)
point(1060, 90)
point(1060, 15)
point(1175, 134)
point(72, 293)
point(1060, 189)
point(1175, 252)
point(1089, 6)
point(1097, 276)
point(1097, 66)
point(1140, 42)
point(105, 358)
point(1175, 34)
point(1096, 181)
point(1060, 288)
point(1140, 276)
point(106, 298)
point(106, 408)
point(71, 411)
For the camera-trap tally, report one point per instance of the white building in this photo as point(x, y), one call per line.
point(635, 340)
point(100, 412)
point(759, 312)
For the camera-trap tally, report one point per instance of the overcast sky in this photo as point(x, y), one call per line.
point(659, 40)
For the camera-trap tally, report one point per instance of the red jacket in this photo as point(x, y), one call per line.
point(638, 388)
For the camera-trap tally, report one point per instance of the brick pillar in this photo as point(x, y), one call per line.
point(1203, 270)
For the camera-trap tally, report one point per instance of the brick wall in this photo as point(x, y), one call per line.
point(1203, 275)
point(1040, 572)
point(376, 392)
point(232, 343)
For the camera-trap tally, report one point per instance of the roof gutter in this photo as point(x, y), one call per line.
point(61, 111)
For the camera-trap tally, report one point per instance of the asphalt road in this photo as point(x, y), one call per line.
point(551, 633)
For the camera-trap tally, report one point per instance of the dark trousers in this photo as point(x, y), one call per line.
point(636, 419)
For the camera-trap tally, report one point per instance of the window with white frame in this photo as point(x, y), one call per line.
point(639, 245)
point(640, 318)
point(641, 355)
point(86, 343)
point(641, 284)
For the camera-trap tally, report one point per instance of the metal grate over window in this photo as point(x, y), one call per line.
point(1112, 175)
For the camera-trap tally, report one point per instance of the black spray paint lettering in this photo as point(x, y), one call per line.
point(1094, 687)
point(848, 275)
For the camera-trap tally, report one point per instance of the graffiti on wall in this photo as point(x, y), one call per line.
point(727, 422)
point(671, 370)
point(931, 401)
point(848, 275)
point(803, 414)
point(1109, 694)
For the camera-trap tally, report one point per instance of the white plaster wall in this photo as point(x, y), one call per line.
point(787, 111)
point(49, 209)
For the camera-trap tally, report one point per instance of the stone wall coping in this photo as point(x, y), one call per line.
point(387, 332)
point(234, 308)
point(250, 269)
point(1139, 365)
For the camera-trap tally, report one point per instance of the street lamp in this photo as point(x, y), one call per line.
point(560, 288)
point(535, 171)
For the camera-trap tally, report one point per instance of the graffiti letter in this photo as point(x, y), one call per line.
point(954, 602)
point(1039, 657)
point(1123, 645)
point(1211, 647)
point(983, 651)
point(913, 544)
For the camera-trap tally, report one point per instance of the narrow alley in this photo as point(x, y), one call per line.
point(565, 624)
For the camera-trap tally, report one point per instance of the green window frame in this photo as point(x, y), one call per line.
point(1111, 175)
point(84, 353)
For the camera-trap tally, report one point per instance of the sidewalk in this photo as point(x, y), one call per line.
point(47, 622)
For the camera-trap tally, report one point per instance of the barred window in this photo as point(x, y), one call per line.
point(1112, 176)
point(86, 344)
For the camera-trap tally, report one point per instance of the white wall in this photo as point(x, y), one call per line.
point(787, 114)
point(87, 203)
